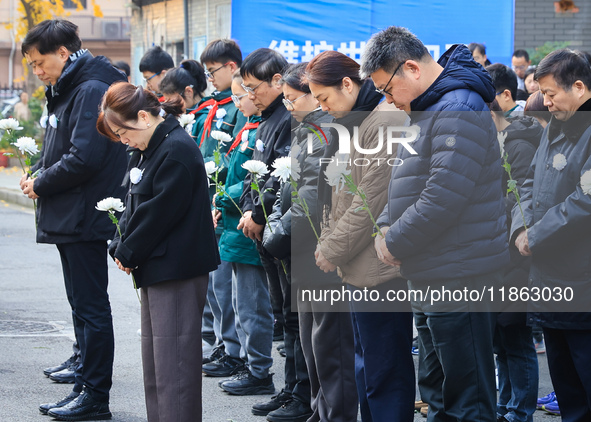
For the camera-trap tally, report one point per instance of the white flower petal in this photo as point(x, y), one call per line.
point(10, 124)
point(559, 162)
point(220, 113)
point(43, 121)
point(256, 167)
point(135, 175)
point(210, 168)
point(26, 145)
point(586, 182)
point(222, 137)
point(186, 119)
point(260, 145)
point(110, 204)
point(336, 171)
point(53, 121)
point(282, 167)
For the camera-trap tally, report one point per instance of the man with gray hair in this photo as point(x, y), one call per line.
point(445, 222)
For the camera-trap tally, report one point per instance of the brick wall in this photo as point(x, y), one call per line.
point(536, 22)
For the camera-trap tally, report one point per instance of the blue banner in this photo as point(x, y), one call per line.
point(302, 29)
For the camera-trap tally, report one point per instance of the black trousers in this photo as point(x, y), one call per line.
point(569, 362)
point(84, 265)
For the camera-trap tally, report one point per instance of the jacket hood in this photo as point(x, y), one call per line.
point(526, 128)
point(460, 71)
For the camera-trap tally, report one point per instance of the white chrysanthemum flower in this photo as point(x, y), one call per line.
point(256, 167)
point(53, 121)
point(586, 182)
point(10, 124)
point(282, 167)
point(335, 173)
point(260, 145)
point(559, 162)
point(26, 145)
point(135, 175)
point(186, 119)
point(220, 136)
point(210, 168)
point(110, 205)
point(43, 121)
point(220, 113)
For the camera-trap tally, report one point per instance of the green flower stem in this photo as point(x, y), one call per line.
point(224, 193)
point(27, 170)
point(512, 187)
point(116, 222)
point(355, 190)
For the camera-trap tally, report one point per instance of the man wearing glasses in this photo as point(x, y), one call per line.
point(153, 66)
point(444, 223)
point(520, 62)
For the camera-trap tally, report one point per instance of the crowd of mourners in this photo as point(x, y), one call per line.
point(222, 236)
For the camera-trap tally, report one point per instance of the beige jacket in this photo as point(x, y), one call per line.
point(347, 240)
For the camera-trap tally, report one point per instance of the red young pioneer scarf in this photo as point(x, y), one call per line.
point(209, 120)
point(238, 139)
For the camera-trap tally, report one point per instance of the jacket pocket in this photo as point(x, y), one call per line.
point(62, 214)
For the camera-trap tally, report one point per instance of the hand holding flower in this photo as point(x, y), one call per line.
point(122, 268)
point(522, 243)
point(382, 250)
point(28, 188)
point(323, 263)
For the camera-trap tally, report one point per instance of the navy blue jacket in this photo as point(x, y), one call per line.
point(558, 216)
point(79, 166)
point(445, 205)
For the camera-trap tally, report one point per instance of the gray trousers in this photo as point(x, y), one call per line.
point(171, 349)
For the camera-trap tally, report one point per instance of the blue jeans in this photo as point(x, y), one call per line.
point(384, 367)
point(221, 281)
point(517, 363)
point(253, 316)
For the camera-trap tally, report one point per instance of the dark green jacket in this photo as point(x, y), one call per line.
point(234, 246)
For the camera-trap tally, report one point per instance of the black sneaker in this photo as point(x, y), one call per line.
point(278, 400)
point(218, 353)
point(239, 375)
point(82, 408)
point(46, 407)
point(292, 411)
point(249, 385)
point(65, 376)
point(64, 365)
point(223, 367)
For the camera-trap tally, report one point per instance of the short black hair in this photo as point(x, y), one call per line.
point(48, 36)
point(189, 73)
point(477, 46)
point(156, 60)
point(121, 65)
point(566, 66)
point(503, 78)
point(521, 53)
point(222, 51)
point(293, 76)
point(263, 64)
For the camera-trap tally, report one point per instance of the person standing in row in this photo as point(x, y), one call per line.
point(78, 167)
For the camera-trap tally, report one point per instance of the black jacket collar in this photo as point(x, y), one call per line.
point(266, 113)
point(162, 130)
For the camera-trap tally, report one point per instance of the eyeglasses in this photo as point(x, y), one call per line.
point(209, 75)
point(153, 76)
point(521, 67)
point(383, 90)
point(237, 98)
point(248, 89)
point(289, 104)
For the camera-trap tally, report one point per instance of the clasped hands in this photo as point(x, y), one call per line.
point(27, 185)
point(522, 243)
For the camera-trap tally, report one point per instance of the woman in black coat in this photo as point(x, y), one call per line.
point(168, 243)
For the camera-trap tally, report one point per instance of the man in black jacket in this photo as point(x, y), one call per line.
point(78, 167)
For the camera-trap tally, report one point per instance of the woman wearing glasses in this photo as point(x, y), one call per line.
point(167, 240)
point(383, 340)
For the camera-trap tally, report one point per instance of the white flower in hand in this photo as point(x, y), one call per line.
point(335, 173)
point(220, 113)
point(286, 167)
point(26, 145)
point(559, 162)
point(53, 121)
point(135, 175)
point(43, 121)
point(186, 119)
point(110, 205)
point(260, 145)
point(210, 168)
point(586, 182)
point(221, 137)
point(256, 167)
point(10, 124)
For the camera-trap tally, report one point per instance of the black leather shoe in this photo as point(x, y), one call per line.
point(249, 385)
point(46, 407)
point(278, 400)
point(292, 411)
point(82, 408)
point(224, 367)
point(218, 353)
point(65, 376)
point(61, 366)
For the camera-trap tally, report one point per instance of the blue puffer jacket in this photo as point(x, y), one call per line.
point(445, 204)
